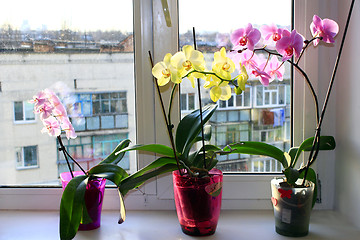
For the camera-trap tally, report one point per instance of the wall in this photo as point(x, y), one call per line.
point(347, 195)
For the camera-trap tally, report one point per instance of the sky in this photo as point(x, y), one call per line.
point(228, 15)
point(77, 14)
point(85, 15)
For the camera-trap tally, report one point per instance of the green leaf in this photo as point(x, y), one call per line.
point(326, 143)
point(116, 158)
point(190, 127)
point(207, 137)
point(292, 175)
point(71, 207)
point(292, 153)
point(110, 172)
point(311, 176)
point(257, 148)
point(154, 148)
point(122, 209)
point(138, 178)
point(196, 159)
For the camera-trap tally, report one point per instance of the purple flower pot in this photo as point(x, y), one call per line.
point(198, 202)
point(94, 196)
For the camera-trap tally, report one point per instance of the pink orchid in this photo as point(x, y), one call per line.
point(264, 77)
point(271, 32)
point(39, 99)
point(247, 36)
point(52, 126)
point(275, 68)
point(68, 128)
point(247, 58)
point(325, 28)
point(45, 110)
point(289, 44)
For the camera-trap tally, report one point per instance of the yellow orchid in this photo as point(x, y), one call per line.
point(241, 80)
point(221, 92)
point(164, 71)
point(188, 60)
point(222, 65)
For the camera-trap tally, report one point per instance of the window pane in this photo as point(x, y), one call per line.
point(260, 109)
point(18, 109)
point(84, 53)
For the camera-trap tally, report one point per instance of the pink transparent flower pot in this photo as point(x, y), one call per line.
point(198, 202)
point(94, 196)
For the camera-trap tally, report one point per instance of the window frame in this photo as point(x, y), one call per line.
point(241, 191)
point(24, 120)
point(22, 153)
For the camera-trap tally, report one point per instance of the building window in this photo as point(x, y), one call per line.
point(23, 111)
point(95, 111)
point(237, 101)
point(90, 150)
point(270, 96)
point(26, 157)
point(109, 103)
point(187, 101)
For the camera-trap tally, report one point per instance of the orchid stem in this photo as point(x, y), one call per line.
point(169, 126)
point(329, 88)
point(66, 155)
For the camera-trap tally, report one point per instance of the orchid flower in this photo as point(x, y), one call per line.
point(245, 37)
point(271, 32)
point(164, 71)
point(223, 65)
point(241, 80)
point(52, 114)
point(324, 28)
point(290, 44)
point(221, 92)
point(275, 68)
point(188, 60)
point(264, 77)
point(51, 126)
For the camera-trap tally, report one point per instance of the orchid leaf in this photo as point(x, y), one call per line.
point(111, 172)
point(311, 176)
point(292, 175)
point(116, 158)
point(257, 148)
point(207, 137)
point(154, 148)
point(71, 207)
point(196, 159)
point(134, 182)
point(122, 209)
point(190, 127)
point(326, 143)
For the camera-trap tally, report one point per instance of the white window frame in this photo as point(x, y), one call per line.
point(21, 150)
point(24, 114)
point(246, 191)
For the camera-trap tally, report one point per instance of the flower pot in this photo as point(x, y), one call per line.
point(198, 202)
point(292, 208)
point(94, 195)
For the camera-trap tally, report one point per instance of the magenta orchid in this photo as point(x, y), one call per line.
point(290, 44)
point(326, 29)
point(247, 36)
point(275, 68)
point(264, 77)
point(271, 31)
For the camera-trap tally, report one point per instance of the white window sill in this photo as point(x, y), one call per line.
point(143, 225)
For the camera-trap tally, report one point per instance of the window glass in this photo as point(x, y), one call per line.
point(84, 52)
point(260, 113)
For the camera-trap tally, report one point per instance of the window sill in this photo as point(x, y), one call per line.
point(143, 225)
